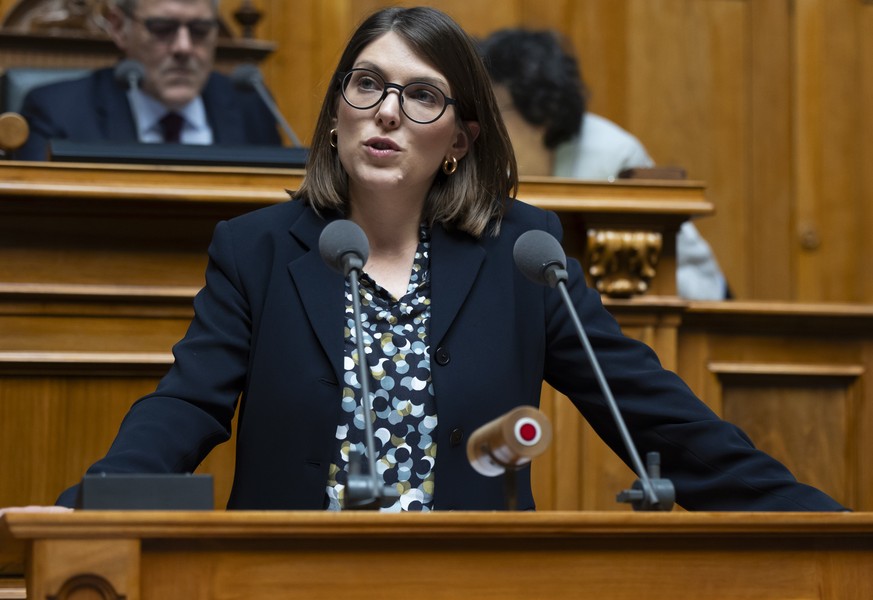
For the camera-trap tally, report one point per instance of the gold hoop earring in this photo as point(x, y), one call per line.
point(450, 165)
point(333, 138)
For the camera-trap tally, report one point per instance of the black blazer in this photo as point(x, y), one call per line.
point(269, 325)
point(95, 108)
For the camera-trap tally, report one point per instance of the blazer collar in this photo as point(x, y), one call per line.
point(113, 109)
point(320, 288)
point(455, 262)
point(224, 116)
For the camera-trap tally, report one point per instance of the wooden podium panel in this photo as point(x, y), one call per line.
point(313, 555)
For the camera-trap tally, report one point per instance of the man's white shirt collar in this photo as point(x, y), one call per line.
point(147, 112)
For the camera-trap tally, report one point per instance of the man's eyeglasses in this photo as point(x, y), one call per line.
point(421, 102)
point(166, 30)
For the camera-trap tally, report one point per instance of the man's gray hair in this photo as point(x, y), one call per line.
point(128, 7)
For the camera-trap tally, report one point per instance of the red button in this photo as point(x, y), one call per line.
point(528, 432)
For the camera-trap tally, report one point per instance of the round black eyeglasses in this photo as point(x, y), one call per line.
point(420, 102)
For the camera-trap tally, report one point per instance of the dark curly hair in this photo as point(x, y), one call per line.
point(543, 78)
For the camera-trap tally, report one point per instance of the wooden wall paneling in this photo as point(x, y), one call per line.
point(863, 442)
point(864, 274)
point(833, 238)
point(562, 15)
point(809, 33)
point(103, 250)
point(819, 404)
point(599, 32)
point(62, 425)
point(686, 100)
point(557, 474)
point(477, 17)
point(40, 324)
point(72, 361)
point(295, 72)
point(62, 417)
point(795, 378)
point(765, 248)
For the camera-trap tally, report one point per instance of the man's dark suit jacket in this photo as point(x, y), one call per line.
point(95, 108)
point(269, 325)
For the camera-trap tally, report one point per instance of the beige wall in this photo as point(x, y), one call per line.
point(767, 101)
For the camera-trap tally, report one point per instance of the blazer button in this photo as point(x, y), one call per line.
point(442, 356)
point(456, 436)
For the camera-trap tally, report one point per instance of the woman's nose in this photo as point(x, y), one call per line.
point(389, 109)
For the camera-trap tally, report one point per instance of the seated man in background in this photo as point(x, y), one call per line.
point(543, 99)
point(179, 98)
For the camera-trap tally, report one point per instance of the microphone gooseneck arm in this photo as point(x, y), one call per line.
point(366, 495)
point(249, 76)
point(129, 73)
point(541, 259)
point(560, 277)
point(344, 248)
point(261, 89)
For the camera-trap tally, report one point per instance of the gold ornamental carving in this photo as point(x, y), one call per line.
point(622, 264)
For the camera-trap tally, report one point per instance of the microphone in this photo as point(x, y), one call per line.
point(344, 248)
point(129, 73)
point(248, 77)
point(540, 258)
point(509, 442)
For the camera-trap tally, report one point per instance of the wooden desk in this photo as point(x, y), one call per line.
point(150, 225)
point(609, 556)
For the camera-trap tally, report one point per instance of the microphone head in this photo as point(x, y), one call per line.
point(536, 253)
point(129, 72)
point(340, 242)
point(246, 76)
point(509, 441)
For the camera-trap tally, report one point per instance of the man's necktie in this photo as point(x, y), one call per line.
point(171, 126)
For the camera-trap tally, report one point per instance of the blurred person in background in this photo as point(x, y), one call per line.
point(179, 99)
point(543, 100)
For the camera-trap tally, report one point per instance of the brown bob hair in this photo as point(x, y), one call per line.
point(474, 197)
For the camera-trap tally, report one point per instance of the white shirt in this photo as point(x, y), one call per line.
point(147, 113)
point(601, 152)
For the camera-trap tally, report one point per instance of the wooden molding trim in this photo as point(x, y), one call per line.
point(113, 293)
point(758, 371)
point(107, 364)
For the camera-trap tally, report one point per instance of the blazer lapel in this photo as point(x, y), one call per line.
point(224, 117)
point(321, 289)
point(455, 262)
point(115, 118)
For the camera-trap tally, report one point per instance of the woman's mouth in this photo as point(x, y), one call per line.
point(382, 146)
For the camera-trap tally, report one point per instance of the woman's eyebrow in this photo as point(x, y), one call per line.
point(437, 81)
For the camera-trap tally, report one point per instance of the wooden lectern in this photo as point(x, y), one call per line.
point(603, 555)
